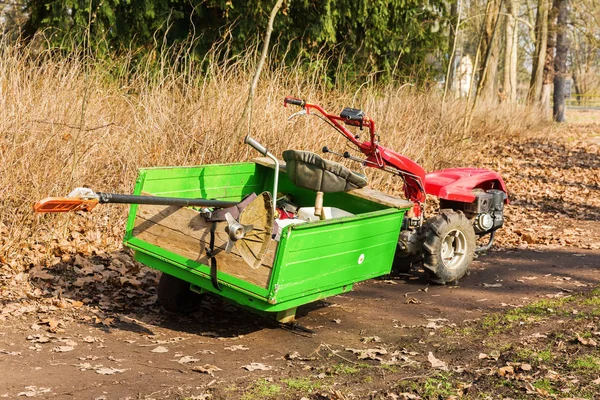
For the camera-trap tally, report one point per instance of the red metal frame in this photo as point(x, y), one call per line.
point(451, 184)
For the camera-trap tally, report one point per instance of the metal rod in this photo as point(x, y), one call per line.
point(275, 183)
point(162, 201)
point(488, 246)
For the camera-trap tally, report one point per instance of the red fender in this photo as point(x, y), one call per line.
point(457, 184)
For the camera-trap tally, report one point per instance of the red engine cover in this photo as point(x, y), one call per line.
point(457, 183)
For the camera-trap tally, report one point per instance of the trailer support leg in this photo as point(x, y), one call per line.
point(286, 316)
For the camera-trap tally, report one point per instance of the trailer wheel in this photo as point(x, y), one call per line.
point(403, 263)
point(174, 295)
point(449, 247)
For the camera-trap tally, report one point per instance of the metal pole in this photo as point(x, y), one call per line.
point(162, 201)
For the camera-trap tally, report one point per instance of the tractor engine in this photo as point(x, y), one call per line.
point(486, 212)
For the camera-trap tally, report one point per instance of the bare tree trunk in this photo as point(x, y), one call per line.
point(510, 54)
point(548, 79)
point(531, 18)
point(560, 61)
point(541, 43)
point(486, 87)
point(451, 75)
point(247, 113)
point(576, 69)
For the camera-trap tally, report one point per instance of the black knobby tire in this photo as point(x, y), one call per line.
point(174, 295)
point(449, 247)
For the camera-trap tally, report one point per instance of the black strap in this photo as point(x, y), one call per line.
point(210, 253)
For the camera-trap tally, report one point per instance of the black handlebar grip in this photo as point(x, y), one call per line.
point(295, 102)
point(347, 155)
point(325, 149)
point(257, 146)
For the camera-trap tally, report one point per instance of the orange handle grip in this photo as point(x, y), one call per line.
point(63, 204)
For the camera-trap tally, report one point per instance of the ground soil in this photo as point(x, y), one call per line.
point(100, 334)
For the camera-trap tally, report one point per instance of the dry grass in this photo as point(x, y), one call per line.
point(74, 121)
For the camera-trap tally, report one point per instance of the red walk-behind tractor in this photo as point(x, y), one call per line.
point(471, 201)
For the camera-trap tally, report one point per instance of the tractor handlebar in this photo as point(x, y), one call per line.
point(293, 101)
point(349, 116)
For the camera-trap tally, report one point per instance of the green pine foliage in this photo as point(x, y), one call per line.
point(383, 38)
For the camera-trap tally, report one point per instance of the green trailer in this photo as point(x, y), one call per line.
point(308, 262)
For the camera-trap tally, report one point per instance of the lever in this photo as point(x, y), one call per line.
point(348, 156)
point(296, 114)
point(327, 150)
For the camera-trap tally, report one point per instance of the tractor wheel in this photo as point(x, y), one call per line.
point(174, 295)
point(449, 247)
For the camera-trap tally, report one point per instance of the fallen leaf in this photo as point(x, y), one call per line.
point(53, 325)
point(85, 366)
point(10, 353)
point(492, 285)
point(369, 339)
point(187, 360)
point(507, 370)
point(587, 342)
point(159, 349)
point(109, 371)
point(62, 349)
point(33, 391)
point(257, 366)
point(410, 353)
point(236, 347)
point(433, 325)
point(407, 396)
point(539, 335)
point(436, 363)
point(369, 354)
point(596, 381)
point(207, 369)
point(525, 367)
point(292, 356)
point(43, 275)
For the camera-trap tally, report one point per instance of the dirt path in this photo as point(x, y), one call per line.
point(148, 354)
point(90, 328)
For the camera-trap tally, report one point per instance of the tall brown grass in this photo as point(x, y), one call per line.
point(69, 121)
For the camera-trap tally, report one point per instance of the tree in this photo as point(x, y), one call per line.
point(452, 38)
point(539, 56)
point(560, 61)
point(585, 50)
point(489, 49)
point(548, 78)
point(510, 54)
point(364, 36)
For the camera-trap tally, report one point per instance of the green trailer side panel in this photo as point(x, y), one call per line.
point(322, 255)
point(230, 292)
point(218, 181)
